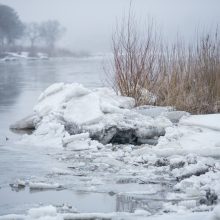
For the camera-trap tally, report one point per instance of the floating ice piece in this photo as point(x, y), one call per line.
point(76, 137)
point(19, 184)
point(190, 170)
point(142, 212)
point(46, 211)
point(41, 185)
point(60, 171)
point(153, 111)
point(189, 204)
point(64, 109)
point(28, 122)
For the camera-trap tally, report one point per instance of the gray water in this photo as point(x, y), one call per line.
point(20, 85)
point(21, 82)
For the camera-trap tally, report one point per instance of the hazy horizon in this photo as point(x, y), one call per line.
point(89, 23)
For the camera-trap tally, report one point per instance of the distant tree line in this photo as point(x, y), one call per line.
point(48, 33)
point(12, 30)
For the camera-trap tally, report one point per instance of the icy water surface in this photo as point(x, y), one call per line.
point(86, 186)
point(98, 179)
point(21, 82)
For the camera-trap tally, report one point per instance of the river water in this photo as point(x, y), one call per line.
point(106, 180)
point(21, 82)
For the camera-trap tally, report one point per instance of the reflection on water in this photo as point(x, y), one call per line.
point(129, 203)
point(20, 85)
point(21, 82)
point(19, 202)
point(17, 77)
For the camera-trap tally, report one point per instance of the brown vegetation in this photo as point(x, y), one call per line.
point(181, 75)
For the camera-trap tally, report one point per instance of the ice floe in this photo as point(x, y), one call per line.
point(166, 161)
point(65, 110)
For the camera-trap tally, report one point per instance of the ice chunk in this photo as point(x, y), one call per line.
point(83, 110)
point(41, 185)
point(56, 97)
point(153, 111)
point(69, 109)
point(76, 137)
point(56, 87)
point(46, 211)
point(175, 116)
point(28, 122)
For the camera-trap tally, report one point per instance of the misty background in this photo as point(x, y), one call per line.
point(90, 23)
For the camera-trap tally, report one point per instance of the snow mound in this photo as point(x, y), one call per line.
point(42, 212)
point(66, 110)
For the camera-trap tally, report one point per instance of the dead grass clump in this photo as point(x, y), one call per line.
point(184, 76)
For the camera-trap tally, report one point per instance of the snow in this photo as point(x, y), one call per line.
point(148, 154)
point(47, 211)
point(216, 213)
point(56, 96)
point(210, 121)
point(78, 104)
point(70, 109)
point(84, 110)
point(50, 213)
point(185, 139)
point(40, 185)
point(76, 137)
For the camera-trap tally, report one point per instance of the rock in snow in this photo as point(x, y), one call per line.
point(65, 110)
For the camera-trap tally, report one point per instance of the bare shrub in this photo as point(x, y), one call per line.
point(191, 81)
point(134, 60)
point(181, 75)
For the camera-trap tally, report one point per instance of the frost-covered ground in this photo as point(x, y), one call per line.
point(155, 162)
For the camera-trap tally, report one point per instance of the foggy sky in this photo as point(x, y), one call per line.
point(90, 23)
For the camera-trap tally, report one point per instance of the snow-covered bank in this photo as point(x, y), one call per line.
point(10, 56)
point(151, 154)
point(65, 110)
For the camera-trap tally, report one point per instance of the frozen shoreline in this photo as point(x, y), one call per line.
point(183, 164)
